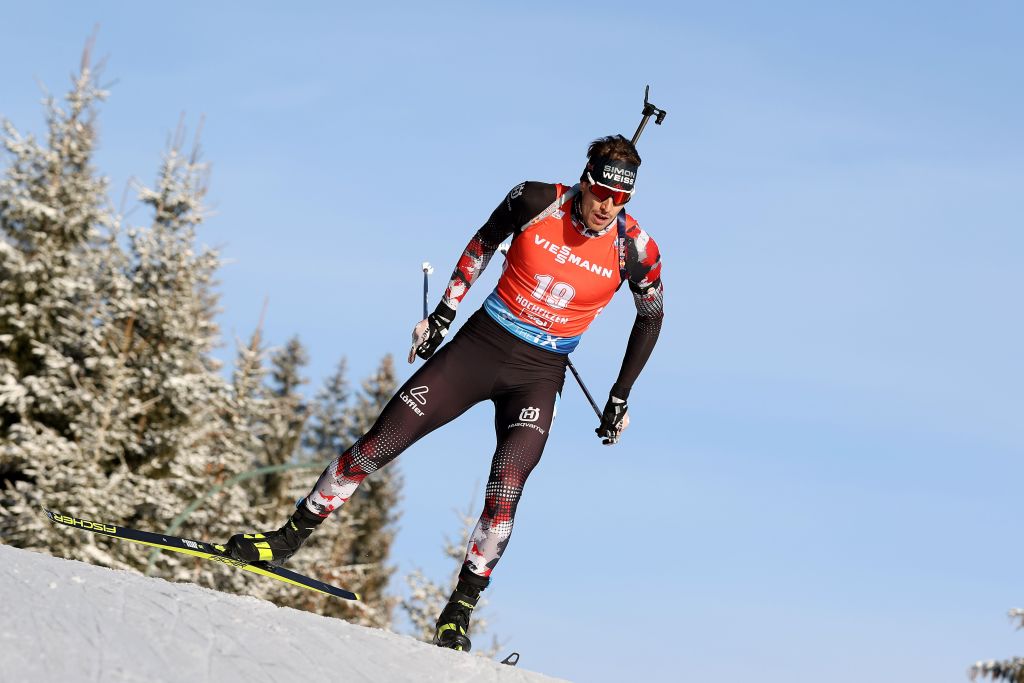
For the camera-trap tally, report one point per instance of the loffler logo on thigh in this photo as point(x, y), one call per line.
point(418, 393)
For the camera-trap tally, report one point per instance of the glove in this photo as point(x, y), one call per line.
point(614, 421)
point(429, 333)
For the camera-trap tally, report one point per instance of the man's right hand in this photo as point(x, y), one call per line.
point(614, 421)
point(430, 332)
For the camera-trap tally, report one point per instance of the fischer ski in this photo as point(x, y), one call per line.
point(207, 551)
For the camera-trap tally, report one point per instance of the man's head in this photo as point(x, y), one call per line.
point(607, 182)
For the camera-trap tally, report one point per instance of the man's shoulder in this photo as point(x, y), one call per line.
point(530, 197)
point(636, 233)
point(643, 258)
point(533, 191)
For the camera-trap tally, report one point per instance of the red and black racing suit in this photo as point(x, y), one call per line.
point(496, 356)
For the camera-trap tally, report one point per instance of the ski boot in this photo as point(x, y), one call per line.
point(275, 547)
point(453, 624)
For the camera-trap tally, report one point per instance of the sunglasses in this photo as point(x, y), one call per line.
point(603, 192)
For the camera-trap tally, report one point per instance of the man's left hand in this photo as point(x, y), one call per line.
point(614, 421)
point(429, 332)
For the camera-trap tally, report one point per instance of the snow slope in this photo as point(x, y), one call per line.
point(69, 621)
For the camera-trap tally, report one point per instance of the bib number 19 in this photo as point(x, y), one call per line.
point(555, 294)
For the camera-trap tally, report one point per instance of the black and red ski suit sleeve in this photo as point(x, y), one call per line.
point(643, 272)
point(520, 205)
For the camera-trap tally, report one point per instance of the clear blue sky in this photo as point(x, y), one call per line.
point(822, 479)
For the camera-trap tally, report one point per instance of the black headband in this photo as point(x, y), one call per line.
point(614, 173)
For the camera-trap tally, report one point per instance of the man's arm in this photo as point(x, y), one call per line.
point(523, 202)
point(643, 264)
point(473, 261)
point(642, 338)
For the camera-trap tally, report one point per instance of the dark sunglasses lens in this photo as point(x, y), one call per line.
point(602, 193)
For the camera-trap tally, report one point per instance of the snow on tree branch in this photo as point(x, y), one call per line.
point(1011, 670)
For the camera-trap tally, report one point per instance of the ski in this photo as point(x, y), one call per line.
point(207, 551)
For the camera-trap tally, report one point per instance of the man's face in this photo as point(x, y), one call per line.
point(597, 214)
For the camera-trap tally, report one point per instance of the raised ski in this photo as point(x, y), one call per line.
point(207, 551)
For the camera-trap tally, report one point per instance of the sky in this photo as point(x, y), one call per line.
point(822, 471)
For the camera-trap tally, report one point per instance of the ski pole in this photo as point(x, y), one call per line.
point(416, 341)
point(583, 386)
point(427, 270)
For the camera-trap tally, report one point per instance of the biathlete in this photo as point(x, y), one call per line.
point(571, 250)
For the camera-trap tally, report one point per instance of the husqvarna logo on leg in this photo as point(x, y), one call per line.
point(529, 414)
point(527, 417)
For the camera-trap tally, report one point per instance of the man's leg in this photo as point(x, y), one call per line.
point(445, 387)
point(442, 389)
point(522, 420)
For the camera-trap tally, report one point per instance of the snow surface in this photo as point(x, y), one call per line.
point(65, 620)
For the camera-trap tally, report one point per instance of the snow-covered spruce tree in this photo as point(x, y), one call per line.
point(216, 438)
point(249, 405)
point(256, 407)
point(178, 407)
point(111, 405)
point(272, 418)
point(326, 435)
point(60, 270)
point(234, 501)
point(287, 419)
point(358, 559)
point(1011, 670)
point(200, 440)
point(224, 509)
point(373, 511)
point(330, 420)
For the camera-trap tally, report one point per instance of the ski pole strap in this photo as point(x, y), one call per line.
point(554, 206)
point(620, 227)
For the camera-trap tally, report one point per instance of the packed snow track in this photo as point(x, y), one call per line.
point(69, 621)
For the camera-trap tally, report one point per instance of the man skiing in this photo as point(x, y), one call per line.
point(571, 249)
